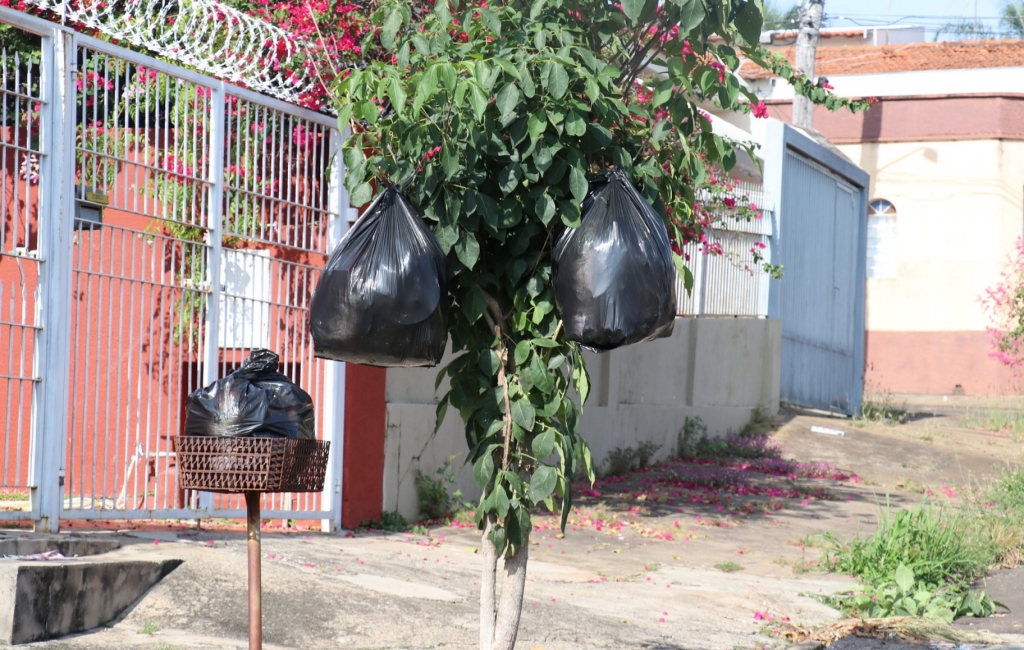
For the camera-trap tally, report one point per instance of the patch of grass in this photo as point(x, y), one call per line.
point(728, 567)
point(927, 539)
point(390, 520)
point(882, 407)
point(760, 423)
point(911, 486)
point(1010, 422)
point(751, 443)
point(13, 496)
point(149, 628)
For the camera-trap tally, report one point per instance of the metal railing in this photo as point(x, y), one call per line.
point(158, 225)
point(729, 282)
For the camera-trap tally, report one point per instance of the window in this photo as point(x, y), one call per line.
point(882, 257)
point(244, 299)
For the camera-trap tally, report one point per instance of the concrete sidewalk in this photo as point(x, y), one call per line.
point(635, 568)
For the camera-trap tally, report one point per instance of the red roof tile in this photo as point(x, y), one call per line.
point(871, 59)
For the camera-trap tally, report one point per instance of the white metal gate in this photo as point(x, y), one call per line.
point(182, 223)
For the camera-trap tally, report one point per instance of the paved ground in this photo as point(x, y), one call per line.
point(681, 558)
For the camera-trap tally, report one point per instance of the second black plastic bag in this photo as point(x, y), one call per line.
point(613, 275)
point(378, 301)
point(253, 401)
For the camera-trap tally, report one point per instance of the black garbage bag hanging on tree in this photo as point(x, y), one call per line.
point(379, 299)
point(614, 277)
point(253, 401)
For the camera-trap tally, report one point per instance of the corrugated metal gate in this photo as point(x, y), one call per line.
point(219, 206)
point(820, 241)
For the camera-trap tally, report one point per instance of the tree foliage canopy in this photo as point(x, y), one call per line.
point(492, 117)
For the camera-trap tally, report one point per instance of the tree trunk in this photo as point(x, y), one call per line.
point(487, 585)
point(513, 586)
point(806, 49)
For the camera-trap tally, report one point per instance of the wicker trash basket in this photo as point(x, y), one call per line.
point(251, 464)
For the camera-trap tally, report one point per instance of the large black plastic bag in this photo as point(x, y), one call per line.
point(378, 301)
point(613, 276)
point(253, 401)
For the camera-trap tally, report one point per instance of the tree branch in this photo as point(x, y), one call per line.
point(488, 582)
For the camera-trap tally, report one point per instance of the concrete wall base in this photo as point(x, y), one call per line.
point(716, 369)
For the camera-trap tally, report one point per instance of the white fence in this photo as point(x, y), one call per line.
point(157, 226)
point(731, 283)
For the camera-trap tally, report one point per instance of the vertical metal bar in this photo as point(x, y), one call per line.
point(252, 511)
point(214, 250)
point(335, 371)
point(52, 349)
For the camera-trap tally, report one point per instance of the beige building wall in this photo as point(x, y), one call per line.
point(959, 211)
point(715, 369)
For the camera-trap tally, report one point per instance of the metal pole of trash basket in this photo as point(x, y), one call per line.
point(252, 510)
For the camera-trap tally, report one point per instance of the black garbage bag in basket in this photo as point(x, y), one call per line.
point(253, 401)
point(613, 275)
point(379, 299)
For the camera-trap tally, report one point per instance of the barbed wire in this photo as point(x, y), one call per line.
point(207, 35)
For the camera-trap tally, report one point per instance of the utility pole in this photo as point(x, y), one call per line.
point(806, 47)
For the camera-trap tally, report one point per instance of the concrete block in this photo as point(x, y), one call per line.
point(51, 599)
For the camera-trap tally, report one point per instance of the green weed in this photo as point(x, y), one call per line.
point(435, 500)
point(728, 567)
point(882, 407)
point(149, 628)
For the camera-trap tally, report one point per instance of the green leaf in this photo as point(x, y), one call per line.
point(442, 11)
point(508, 178)
point(492, 20)
point(542, 483)
point(498, 538)
point(543, 378)
point(522, 352)
point(684, 272)
point(558, 82)
point(390, 28)
point(483, 469)
point(536, 125)
point(545, 208)
point(546, 343)
point(501, 501)
point(474, 305)
point(601, 134)
point(507, 66)
point(691, 14)
point(403, 56)
point(508, 101)
point(526, 81)
point(523, 413)
point(575, 125)
point(536, 8)
point(478, 101)
point(662, 93)
point(661, 129)
point(361, 195)
point(442, 409)
point(578, 184)
point(397, 95)
point(632, 9)
point(904, 578)
point(544, 444)
point(344, 115)
point(467, 249)
point(749, 22)
point(427, 86)
point(450, 161)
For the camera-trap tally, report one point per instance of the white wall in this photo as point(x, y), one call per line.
point(717, 369)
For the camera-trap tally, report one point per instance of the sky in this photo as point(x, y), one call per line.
point(931, 13)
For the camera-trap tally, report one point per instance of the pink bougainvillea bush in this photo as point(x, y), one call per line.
point(1004, 305)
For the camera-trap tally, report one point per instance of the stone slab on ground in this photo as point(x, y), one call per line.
point(51, 599)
